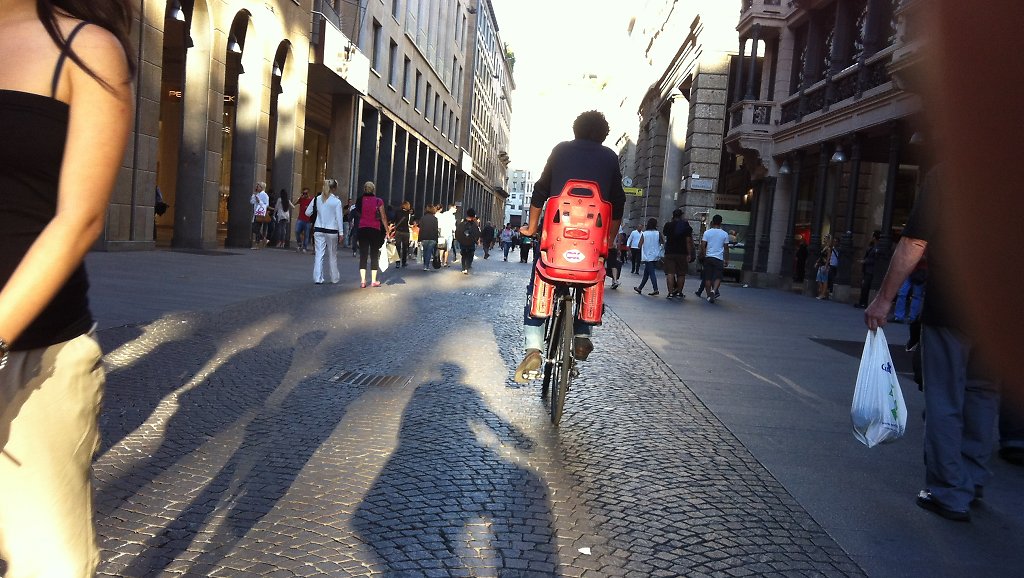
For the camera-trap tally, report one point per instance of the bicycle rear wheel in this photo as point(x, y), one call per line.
point(561, 341)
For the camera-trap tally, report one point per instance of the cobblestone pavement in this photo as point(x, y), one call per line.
point(332, 431)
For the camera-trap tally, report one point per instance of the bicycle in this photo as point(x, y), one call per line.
point(568, 283)
point(560, 358)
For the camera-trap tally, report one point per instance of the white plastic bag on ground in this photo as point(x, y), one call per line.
point(878, 412)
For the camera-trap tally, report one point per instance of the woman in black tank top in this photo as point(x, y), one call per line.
point(65, 116)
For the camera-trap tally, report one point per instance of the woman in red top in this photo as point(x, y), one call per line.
point(373, 222)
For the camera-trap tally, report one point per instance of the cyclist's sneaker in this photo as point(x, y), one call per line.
point(529, 368)
point(582, 348)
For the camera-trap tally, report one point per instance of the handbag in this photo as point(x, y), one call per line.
point(261, 214)
point(878, 412)
point(437, 260)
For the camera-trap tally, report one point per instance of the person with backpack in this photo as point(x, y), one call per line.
point(678, 253)
point(467, 233)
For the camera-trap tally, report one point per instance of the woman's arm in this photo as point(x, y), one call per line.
point(99, 123)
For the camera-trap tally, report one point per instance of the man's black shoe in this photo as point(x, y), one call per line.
point(582, 348)
point(926, 501)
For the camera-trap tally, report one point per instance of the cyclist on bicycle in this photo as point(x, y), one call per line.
point(583, 158)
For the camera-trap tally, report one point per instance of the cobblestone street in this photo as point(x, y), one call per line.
point(331, 431)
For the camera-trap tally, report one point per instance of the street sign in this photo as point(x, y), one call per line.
point(627, 182)
point(635, 191)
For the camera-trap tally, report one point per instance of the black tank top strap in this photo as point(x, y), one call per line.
point(63, 55)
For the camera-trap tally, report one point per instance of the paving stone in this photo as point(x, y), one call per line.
point(354, 433)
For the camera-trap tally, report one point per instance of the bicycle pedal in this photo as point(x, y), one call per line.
point(531, 375)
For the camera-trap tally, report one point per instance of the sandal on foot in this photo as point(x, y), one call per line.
point(375, 284)
point(529, 368)
point(362, 285)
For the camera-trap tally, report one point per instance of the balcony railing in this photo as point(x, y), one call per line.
point(849, 83)
point(750, 112)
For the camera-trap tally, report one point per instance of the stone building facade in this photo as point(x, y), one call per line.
point(290, 92)
point(825, 133)
point(687, 52)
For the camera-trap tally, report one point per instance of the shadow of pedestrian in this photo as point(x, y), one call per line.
point(451, 497)
point(139, 375)
point(277, 443)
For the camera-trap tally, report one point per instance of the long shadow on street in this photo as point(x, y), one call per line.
point(446, 499)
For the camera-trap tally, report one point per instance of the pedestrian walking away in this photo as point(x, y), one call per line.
point(446, 234)
point(961, 398)
point(633, 242)
point(403, 221)
point(428, 236)
point(650, 251)
point(714, 248)
point(303, 228)
point(678, 236)
point(583, 158)
point(468, 234)
point(66, 110)
point(326, 217)
point(487, 238)
point(282, 218)
point(506, 237)
point(373, 226)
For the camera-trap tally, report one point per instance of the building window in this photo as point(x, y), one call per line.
point(430, 92)
point(437, 101)
point(393, 64)
point(396, 7)
point(407, 78)
point(375, 48)
point(419, 90)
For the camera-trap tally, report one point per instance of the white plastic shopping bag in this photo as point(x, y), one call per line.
point(878, 412)
point(382, 261)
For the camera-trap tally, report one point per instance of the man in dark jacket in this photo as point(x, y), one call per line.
point(428, 236)
point(487, 239)
point(583, 158)
point(467, 233)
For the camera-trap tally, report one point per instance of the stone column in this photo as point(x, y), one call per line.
point(846, 256)
point(753, 228)
point(398, 178)
point(765, 238)
point(244, 150)
point(885, 242)
point(190, 230)
point(369, 145)
point(738, 91)
point(818, 209)
point(385, 166)
point(789, 247)
point(748, 93)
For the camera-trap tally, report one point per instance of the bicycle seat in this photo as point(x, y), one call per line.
point(574, 237)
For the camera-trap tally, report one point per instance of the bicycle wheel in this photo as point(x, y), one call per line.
point(562, 342)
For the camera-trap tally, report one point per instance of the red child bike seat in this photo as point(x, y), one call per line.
point(574, 235)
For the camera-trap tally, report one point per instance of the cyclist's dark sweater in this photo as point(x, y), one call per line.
point(585, 160)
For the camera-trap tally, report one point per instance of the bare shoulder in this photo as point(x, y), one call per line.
point(100, 50)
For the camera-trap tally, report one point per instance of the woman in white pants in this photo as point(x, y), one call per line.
point(326, 226)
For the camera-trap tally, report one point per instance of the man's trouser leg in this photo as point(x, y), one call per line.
point(961, 406)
